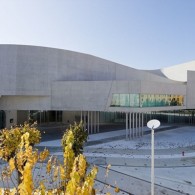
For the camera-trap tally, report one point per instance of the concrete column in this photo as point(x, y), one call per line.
point(94, 130)
point(40, 117)
point(126, 126)
point(90, 126)
point(136, 129)
point(81, 119)
point(88, 122)
point(98, 119)
point(133, 127)
point(142, 124)
point(47, 116)
point(91, 122)
point(43, 116)
point(84, 120)
point(148, 117)
point(95, 122)
point(139, 132)
point(130, 133)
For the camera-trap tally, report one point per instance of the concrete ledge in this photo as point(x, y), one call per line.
point(179, 162)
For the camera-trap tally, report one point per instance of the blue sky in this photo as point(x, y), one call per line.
point(144, 34)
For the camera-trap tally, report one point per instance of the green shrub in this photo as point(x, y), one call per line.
point(80, 137)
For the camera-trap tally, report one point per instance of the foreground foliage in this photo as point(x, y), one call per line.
point(80, 137)
point(11, 138)
point(70, 177)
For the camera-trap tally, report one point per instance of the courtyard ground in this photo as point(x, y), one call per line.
point(130, 160)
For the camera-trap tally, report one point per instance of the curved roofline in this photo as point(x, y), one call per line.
point(82, 53)
point(177, 73)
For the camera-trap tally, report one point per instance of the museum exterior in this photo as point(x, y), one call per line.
point(55, 85)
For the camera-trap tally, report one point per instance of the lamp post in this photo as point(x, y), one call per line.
point(152, 124)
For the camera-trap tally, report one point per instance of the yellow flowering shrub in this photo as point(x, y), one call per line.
point(11, 138)
point(70, 177)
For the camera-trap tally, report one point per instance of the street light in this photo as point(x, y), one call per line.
point(152, 124)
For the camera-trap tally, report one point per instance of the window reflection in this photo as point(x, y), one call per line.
point(146, 100)
point(124, 100)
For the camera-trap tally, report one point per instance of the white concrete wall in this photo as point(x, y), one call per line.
point(80, 95)
point(163, 88)
point(40, 78)
point(25, 102)
point(191, 90)
point(179, 72)
point(97, 95)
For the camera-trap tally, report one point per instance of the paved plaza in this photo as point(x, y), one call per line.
point(130, 160)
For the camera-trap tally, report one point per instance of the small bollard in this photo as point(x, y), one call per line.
point(183, 153)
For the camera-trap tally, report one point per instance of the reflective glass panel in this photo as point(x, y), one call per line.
point(124, 100)
point(144, 100)
point(134, 100)
point(115, 100)
point(152, 100)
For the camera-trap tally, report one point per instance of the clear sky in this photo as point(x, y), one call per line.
point(144, 34)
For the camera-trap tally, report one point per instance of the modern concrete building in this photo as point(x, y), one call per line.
point(55, 85)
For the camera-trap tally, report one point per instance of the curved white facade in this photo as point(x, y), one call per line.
point(177, 72)
point(40, 78)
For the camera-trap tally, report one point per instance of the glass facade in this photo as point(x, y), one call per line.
point(134, 100)
point(114, 120)
point(165, 117)
point(46, 116)
point(115, 100)
point(124, 100)
point(176, 116)
point(146, 100)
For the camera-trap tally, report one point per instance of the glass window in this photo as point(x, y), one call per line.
point(124, 100)
point(152, 100)
point(162, 101)
point(173, 100)
point(166, 100)
point(146, 100)
point(134, 100)
point(143, 100)
point(115, 100)
point(180, 100)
